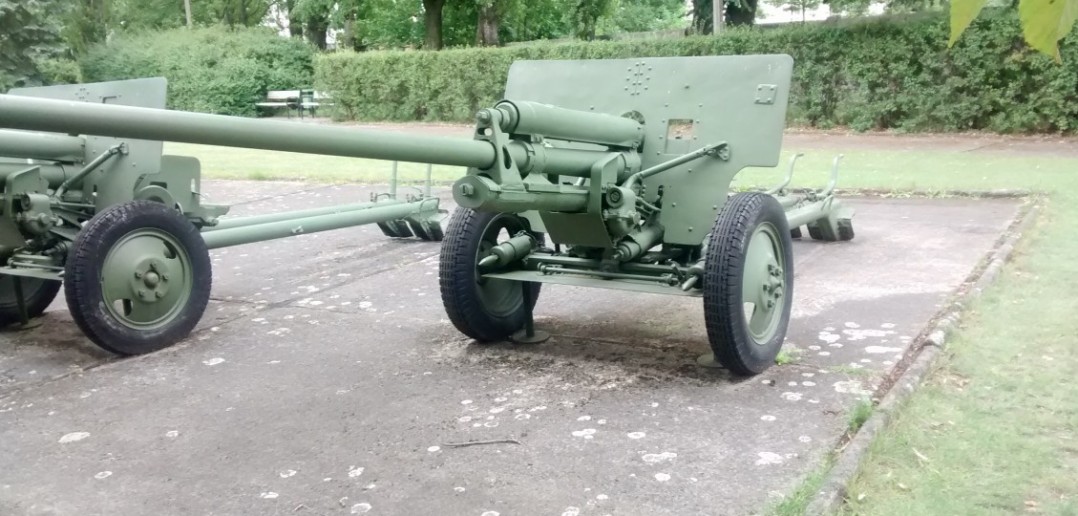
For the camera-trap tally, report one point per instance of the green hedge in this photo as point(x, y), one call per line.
point(881, 74)
point(212, 70)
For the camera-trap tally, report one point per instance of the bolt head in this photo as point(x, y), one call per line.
point(138, 275)
point(159, 294)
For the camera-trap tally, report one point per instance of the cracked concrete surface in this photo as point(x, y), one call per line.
point(326, 379)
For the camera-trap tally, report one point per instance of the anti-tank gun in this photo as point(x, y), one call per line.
point(629, 179)
point(611, 174)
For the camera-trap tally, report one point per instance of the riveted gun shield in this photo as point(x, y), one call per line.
point(611, 174)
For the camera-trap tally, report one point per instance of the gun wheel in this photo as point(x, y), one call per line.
point(839, 230)
point(138, 279)
point(748, 283)
point(486, 310)
point(37, 296)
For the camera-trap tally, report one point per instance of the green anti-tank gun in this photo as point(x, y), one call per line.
point(611, 174)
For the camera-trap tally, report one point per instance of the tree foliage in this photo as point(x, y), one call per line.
point(30, 36)
point(1044, 22)
point(213, 69)
point(878, 74)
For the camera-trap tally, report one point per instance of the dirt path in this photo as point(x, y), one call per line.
point(1058, 146)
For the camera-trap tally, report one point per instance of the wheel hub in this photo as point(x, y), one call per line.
point(146, 278)
point(150, 282)
point(764, 283)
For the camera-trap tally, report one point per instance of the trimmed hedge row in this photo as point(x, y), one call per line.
point(874, 74)
point(211, 70)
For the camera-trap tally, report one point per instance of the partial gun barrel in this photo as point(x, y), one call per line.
point(70, 117)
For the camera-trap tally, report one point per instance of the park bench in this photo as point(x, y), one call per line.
point(299, 100)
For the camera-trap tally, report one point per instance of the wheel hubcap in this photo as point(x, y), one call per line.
point(146, 279)
point(764, 283)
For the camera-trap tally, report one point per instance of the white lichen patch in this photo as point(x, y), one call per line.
point(887, 325)
point(877, 350)
point(805, 439)
point(808, 384)
point(491, 513)
point(287, 473)
point(497, 410)
point(655, 458)
point(851, 387)
point(466, 402)
point(791, 396)
point(768, 458)
point(214, 361)
point(571, 511)
point(354, 472)
point(493, 424)
point(279, 331)
point(586, 433)
point(74, 437)
point(269, 495)
point(103, 475)
point(829, 337)
point(866, 333)
point(433, 449)
point(662, 477)
point(636, 435)
point(172, 434)
point(767, 417)
point(361, 508)
point(584, 418)
point(602, 497)
point(852, 325)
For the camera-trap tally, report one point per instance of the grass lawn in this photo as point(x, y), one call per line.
point(995, 428)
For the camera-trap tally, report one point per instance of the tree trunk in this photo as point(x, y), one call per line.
point(486, 30)
point(741, 14)
point(295, 25)
point(738, 13)
point(187, 10)
point(348, 38)
point(432, 19)
point(316, 29)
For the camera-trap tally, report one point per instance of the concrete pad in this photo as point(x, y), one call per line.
point(352, 396)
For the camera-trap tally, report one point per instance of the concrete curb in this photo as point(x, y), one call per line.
point(832, 493)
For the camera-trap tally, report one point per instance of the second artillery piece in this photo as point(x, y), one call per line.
point(625, 166)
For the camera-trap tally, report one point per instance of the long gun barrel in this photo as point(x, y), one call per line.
point(58, 116)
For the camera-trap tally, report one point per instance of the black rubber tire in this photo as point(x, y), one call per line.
point(435, 232)
point(795, 232)
point(724, 268)
point(825, 233)
point(39, 295)
point(82, 277)
point(458, 275)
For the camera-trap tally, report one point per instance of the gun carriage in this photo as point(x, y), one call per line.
point(612, 174)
